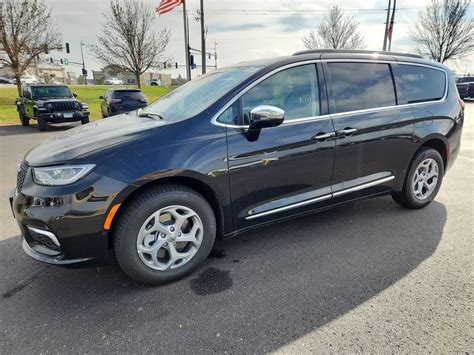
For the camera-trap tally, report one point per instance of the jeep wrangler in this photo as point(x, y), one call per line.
point(50, 104)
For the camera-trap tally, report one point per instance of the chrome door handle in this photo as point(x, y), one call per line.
point(346, 131)
point(322, 136)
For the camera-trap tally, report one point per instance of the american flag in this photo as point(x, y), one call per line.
point(167, 5)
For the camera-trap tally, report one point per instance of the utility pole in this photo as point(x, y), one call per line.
point(203, 40)
point(186, 41)
point(386, 26)
point(84, 71)
point(392, 24)
point(215, 53)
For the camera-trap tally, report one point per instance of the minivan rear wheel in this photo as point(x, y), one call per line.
point(423, 180)
point(164, 234)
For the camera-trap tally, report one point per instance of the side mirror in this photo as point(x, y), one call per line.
point(101, 97)
point(74, 94)
point(264, 116)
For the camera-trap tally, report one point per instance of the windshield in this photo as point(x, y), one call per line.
point(195, 96)
point(43, 92)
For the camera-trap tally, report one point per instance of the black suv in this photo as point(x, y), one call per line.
point(117, 101)
point(465, 86)
point(235, 149)
point(50, 103)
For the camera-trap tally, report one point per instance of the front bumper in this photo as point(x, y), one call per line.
point(58, 117)
point(73, 215)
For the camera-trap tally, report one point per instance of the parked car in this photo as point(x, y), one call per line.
point(50, 104)
point(116, 101)
point(4, 80)
point(29, 80)
point(465, 86)
point(155, 82)
point(113, 81)
point(239, 148)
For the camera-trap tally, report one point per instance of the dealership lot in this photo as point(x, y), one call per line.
point(369, 276)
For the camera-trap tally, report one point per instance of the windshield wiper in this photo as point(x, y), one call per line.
point(153, 116)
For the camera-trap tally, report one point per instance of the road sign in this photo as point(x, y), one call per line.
point(66, 61)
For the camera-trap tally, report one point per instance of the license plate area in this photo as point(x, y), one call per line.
point(68, 114)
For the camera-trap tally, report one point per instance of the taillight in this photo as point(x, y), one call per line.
point(462, 103)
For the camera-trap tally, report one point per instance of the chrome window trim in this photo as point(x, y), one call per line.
point(321, 198)
point(329, 116)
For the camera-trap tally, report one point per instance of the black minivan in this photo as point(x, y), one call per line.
point(238, 148)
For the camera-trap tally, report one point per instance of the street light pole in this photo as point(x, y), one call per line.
point(84, 71)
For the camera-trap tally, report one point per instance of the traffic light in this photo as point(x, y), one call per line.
point(84, 72)
point(176, 65)
point(67, 48)
point(66, 61)
point(51, 60)
point(164, 65)
point(191, 62)
point(61, 61)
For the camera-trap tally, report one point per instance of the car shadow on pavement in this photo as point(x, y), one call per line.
point(256, 293)
point(18, 130)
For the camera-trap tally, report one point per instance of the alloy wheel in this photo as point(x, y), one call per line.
point(169, 238)
point(425, 179)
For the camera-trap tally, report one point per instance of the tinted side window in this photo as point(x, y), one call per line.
point(421, 83)
point(294, 90)
point(359, 86)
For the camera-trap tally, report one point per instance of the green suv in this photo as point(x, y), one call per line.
point(50, 103)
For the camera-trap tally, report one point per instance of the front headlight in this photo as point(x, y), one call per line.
point(77, 105)
point(60, 175)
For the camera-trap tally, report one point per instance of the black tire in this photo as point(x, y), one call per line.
point(85, 120)
point(25, 121)
point(407, 197)
point(135, 213)
point(42, 125)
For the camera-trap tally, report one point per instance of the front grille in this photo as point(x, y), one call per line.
point(44, 240)
point(21, 174)
point(63, 106)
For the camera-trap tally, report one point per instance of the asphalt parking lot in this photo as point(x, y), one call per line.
point(366, 277)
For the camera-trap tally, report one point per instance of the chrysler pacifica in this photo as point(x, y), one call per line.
point(238, 148)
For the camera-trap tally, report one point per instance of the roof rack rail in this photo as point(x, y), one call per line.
point(356, 51)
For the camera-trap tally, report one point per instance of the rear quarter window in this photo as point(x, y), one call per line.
point(422, 84)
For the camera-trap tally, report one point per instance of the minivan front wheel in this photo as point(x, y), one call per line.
point(164, 234)
point(423, 180)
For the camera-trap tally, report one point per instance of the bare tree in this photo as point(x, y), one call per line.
point(444, 30)
point(26, 32)
point(128, 41)
point(336, 31)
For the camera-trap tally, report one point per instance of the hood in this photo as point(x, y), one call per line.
point(90, 137)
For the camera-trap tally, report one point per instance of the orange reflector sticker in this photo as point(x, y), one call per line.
point(110, 216)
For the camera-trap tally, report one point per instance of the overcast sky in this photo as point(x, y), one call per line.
point(244, 29)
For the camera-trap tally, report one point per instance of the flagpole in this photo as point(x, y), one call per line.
point(203, 40)
point(386, 26)
point(186, 41)
point(393, 25)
